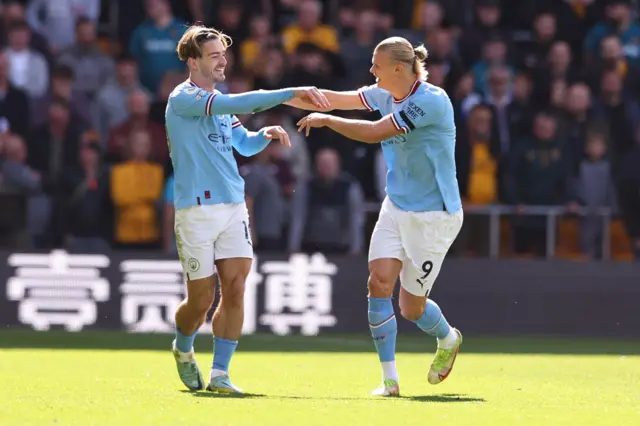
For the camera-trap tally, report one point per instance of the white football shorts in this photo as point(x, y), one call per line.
point(420, 240)
point(210, 232)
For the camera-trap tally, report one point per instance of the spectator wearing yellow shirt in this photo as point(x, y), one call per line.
point(136, 190)
point(259, 40)
point(477, 168)
point(308, 29)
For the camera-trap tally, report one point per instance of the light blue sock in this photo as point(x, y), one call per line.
point(433, 322)
point(223, 350)
point(384, 328)
point(185, 343)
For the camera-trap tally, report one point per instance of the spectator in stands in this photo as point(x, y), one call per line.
point(168, 217)
point(558, 97)
point(53, 147)
point(356, 50)
point(13, 11)
point(477, 154)
point(487, 26)
point(620, 21)
point(14, 103)
point(154, 43)
point(441, 46)
point(539, 173)
point(574, 121)
point(629, 194)
point(427, 18)
point(311, 67)
point(28, 69)
point(260, 38)
point(138, 108)
point(62, 87)
point(612, 59)
point(89, 213)
point(16, 174)
point(265, 202)
point(159, 106)
point(91, 67)
point(494, 53)
point(18, 182)
point(326, 212)
point(534, 53)
point(110, 105)
point(136, 191)
point(618, 109)
point(53, 151)
point(296, 158)
point(56, 20)
point(309, 29)
point(594, 188)
point(228, 17)
point(270, 70)
point(575, 19)
point(499, 97)
point(556, 67)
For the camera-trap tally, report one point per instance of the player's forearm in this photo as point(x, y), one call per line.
point(344, 101)
point(251, 143)
point(359, 130)
point(250, 102)
point(305, 105)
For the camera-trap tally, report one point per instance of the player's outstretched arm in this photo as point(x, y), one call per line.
point(419, 112)
point(359, 130)
point(195, 102)
point(249, 143)
point(350, 100)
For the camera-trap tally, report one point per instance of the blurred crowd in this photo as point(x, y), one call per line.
point(546, 93)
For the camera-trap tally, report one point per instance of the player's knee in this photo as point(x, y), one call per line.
point(200, 298)
point(233, 293)
point(201, 305)
point(380, 285)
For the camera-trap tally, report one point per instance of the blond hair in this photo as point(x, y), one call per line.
point(402, 51)
point(190, 44)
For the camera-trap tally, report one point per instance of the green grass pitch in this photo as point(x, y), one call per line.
point(117, 379)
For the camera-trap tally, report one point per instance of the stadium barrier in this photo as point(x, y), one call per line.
point(301, 294)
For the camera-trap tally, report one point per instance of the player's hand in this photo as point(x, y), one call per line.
point(277, 132)
point(312, 95)
point(312, 120)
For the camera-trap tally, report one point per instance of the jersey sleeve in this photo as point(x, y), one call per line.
point(168, 191)
point(372, 97)
point(191, 101)
point(247, 143)
point(421, 111)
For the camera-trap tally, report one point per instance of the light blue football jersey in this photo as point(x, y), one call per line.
point(201, 148)
point(421, 160)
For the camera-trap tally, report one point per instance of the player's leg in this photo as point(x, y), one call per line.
point(234, 255)
point(426, 241)
point(195, 250)
point(385, 253)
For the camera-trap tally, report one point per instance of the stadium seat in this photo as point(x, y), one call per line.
point(568, 239)
point(620, 241)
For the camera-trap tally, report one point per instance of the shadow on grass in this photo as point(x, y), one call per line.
point(206, 394)
point(325, 343)
point(443, 398)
